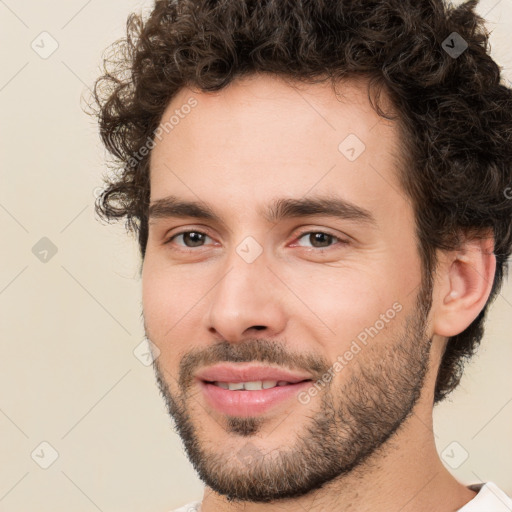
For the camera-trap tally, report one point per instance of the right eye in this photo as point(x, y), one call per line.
point(190, 239)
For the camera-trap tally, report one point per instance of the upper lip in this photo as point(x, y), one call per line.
point(249, 373)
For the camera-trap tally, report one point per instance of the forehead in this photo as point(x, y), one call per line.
point(264, 135)
point(263, 103)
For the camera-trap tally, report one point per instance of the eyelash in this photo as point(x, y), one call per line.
point(298, 236)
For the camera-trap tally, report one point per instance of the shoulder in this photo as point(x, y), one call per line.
point(489, 498)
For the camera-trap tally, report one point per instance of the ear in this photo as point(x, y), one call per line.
point(465, 280)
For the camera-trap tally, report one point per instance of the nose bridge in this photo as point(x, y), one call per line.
point(244, 281)
point(244, 298)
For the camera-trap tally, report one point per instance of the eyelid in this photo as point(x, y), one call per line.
point(199, 228)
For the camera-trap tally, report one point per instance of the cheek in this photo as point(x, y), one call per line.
point(153, 287)
point(162, 298)
point(350, 305)
point(171, 298)
point(362, 303)
point(161, 319)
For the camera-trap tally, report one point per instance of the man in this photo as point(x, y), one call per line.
point(319, 193)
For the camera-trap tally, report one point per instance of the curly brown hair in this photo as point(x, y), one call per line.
point(454, 112)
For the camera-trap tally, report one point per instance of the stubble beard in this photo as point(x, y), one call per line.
point(353, 420)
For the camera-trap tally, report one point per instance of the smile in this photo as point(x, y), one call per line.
point(251, 386)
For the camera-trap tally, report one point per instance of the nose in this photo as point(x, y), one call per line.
point(246, 301)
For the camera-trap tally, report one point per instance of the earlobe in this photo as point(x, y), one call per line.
point(468, 279)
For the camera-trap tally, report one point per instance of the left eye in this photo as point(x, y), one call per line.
point(318, 239)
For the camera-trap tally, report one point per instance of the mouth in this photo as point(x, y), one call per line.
point(255, 385)
point(247, 390)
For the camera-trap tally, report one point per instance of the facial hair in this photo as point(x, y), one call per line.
point(355, 417)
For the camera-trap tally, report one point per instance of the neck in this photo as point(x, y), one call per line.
point(405, 475)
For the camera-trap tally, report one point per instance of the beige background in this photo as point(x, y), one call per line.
point(69, 327)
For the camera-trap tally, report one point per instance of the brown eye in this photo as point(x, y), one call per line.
point(190, 238)
point(318, 239)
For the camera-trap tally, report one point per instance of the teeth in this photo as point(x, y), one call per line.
point(251, 386)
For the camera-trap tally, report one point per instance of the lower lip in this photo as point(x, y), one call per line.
point(249, 403)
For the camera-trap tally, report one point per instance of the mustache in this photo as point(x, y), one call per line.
point(255, 350)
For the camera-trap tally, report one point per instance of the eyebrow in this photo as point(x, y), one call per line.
point(282, 208)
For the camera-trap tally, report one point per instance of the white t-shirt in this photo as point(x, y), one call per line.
point(489, 499)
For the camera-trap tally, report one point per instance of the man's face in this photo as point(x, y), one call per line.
point(288, 299)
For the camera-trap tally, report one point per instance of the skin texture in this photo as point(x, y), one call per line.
point(240, 148)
